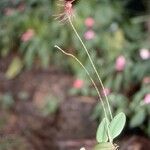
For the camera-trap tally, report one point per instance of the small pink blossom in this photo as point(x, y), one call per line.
point(28, 35)
point(105, 91)
point(21, 7)
point(144, 53)
point(9, 11)
point(69, 8)
point(78, 83)
point(120, 63)
point(89, 22)
point(89, 35)
point(146, 80)
point(147, 99)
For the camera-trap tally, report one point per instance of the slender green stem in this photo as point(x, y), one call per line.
point(107, 101)
point(95, 86)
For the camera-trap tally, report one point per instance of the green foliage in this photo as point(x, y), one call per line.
point(137, 118)
point(136, 110)
point(50, 106)
point(117, 124)
point(6, 101)
point(112, 129)
point(113, 33)
point(14, 69)
point(118, 31)
point(101, 134)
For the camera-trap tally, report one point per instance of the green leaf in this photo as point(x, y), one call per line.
point(137, 118)
point(7, 101)
point(118, 81)
point(117, 125)
point(14, 68)
point(104, 146)
point(101, 134)
point(50, 106)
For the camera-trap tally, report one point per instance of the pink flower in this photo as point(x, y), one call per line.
point(8, 11)
point(78, 83)
point(147, 99)
point(89, 35)
point(146, 80)
point(28, 35)
point(144, 53)
point(69, 8)
point(106, 92)
point(120, 63)
point(21, 7)
point(89, 22)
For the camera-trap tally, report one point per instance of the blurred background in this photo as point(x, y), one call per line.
point(47, 102)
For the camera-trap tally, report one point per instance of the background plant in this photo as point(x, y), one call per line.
point(124, 34)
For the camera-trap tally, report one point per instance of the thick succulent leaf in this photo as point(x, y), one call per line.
point(101, 134)
point(117, 125)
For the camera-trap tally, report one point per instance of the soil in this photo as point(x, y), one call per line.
point(72, 120)
point(24, 125)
